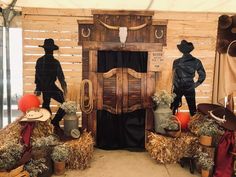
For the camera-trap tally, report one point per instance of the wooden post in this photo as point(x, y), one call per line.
point(230, 101)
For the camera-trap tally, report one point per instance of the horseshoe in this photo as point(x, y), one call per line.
point(85, 35)
point(160, 36)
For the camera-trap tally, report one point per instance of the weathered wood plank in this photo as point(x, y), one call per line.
point(39, 50)
point(30, 79)
point(58, 12)
point(58, 18)
point(123, 12)
point(187, 16)
point(61, 58)
point(93, 60)
point(72, 66)
point(54, 35)
point(60, 43)
point(38, 25)
point(68, 73)
point(117, 46)
point(100, 91)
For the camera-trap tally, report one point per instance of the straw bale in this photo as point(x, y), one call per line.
point(12, 131)
point(167, 150)
point(81, 151)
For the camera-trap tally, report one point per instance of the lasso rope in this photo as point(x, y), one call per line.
point(86, 108)
point(230, 96)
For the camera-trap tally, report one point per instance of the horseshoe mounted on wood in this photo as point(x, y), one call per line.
point(159, 36)
point(88, 32)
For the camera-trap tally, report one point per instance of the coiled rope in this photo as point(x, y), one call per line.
point(86, 103)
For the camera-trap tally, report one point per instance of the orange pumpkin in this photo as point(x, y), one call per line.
point(184, 118)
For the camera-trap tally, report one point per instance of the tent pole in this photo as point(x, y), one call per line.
point(8, 14)
point(1, 77)
point(8, 74)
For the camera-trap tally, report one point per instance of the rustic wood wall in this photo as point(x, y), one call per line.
point(61, 25)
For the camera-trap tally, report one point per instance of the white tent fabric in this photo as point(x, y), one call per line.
point(222, 6)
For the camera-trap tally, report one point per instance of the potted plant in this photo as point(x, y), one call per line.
point(162, 110)
point(70, 119)
point(59, 155)
point(207, 130)
point(172, 127)
point(206, 163)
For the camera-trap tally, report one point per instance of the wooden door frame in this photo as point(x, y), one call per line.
point(90, 50)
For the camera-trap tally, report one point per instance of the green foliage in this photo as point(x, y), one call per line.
point(10, 154)
point(163, 98)
point(45, 141)
point(35, 167)
point(204, 160)
point(208, 128)
point(69, 107)
point(171, 124)
point(60, 153)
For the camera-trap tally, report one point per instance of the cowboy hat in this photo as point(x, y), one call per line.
point(40, 114)
point(233, 30)
point(222, 115)
point(222, 45)
point(185, 46)
point(49, 45)
point(232, 49)
point(225, 21)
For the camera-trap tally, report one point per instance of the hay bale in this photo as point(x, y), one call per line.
point(42, 129)
point(80, 151)
point(12, 131)
point(195, 123)
point(167, 150)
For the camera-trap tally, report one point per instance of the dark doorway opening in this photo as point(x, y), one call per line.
point(125, 130)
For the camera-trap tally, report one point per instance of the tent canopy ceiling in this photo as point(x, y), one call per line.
point(222, 6)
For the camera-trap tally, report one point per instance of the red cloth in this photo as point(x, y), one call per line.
point(26, 133)
point(224, 159)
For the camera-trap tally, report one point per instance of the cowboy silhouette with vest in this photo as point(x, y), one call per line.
point(184, 69)
point(48, 70)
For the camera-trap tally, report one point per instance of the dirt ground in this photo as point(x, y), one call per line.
point(122, 163)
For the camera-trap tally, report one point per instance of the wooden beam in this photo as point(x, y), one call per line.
point(117, 46)
point(122, 12)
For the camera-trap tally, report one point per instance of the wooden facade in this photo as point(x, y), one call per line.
point(62, 26)
point(120, 90)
